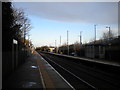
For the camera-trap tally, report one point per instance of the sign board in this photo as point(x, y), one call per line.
point(15, 41)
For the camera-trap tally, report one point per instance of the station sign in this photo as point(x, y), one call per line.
point(15, 41)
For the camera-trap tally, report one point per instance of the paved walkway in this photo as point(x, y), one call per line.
point(26, 76)
point(36, 73)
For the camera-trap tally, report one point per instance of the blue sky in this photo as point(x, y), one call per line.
point(51, 20)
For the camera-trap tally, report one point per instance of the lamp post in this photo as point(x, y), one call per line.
point(80, 38)
point(55, 47)
point(67, 43)
point(60, 45)
point(109, 43)
point(95, 31)
point(60, 40)
point(109, 32)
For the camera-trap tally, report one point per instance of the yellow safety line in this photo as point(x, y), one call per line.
point(46, 78)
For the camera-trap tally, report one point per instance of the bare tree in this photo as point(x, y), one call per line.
point(22, 24)
point(107, 35)
point(76, 45)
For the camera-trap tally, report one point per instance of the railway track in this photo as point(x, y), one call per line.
point(81, 76)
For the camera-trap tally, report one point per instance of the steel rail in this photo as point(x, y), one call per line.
point(85, 82)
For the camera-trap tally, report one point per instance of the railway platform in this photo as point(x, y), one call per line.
point(102, 61)
point(36, 73)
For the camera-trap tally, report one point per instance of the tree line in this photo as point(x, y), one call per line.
point(15, 26)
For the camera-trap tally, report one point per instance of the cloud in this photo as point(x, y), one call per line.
point(83, 12)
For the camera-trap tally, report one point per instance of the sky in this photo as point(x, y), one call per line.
point(50, 20)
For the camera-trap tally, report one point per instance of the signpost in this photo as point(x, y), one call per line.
point(14, 54)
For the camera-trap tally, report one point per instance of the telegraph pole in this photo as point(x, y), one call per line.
point(60, 45)
point(60, 40)
point(67, 42)
point(109, 43)
point(55, 47)
point(80, 38)
point(55, 43)
point(109, 32)
point(95, 31)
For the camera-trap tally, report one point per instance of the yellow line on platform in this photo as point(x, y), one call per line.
point(46, 78)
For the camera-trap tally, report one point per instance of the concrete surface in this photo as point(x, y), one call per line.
point(37, 73)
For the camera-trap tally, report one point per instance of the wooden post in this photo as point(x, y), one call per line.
point(13, 56)
point(16, 54)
